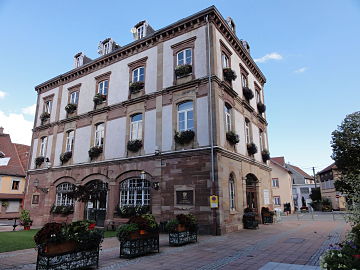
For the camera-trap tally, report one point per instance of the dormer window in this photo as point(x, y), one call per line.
point(78, 61)
point(106, 48)
point(140, 31)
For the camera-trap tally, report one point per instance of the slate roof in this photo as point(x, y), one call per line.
point(328, 168)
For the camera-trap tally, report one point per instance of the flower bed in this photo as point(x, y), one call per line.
point(261, 107)
point(70, 108)
point(99, 98)
point(267, 215)
point(95, 151)
point(265, 154)
point(248, 93)
point(128, 211)
point(44, 117)
point(39, 161)
point(251, 148)
point(182, 230)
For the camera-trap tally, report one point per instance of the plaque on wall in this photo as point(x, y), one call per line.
point(35, 199)
point(185, 197)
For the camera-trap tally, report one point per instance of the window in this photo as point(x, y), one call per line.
point(78, 61)
point(70, 136)
point(48, 106)
point(99, 134)
point(304, 190)
point(135, 192)
point(184, 57)
point(136, 127)
point(185, 116)
point(43, 143)
point(261, 138)
point(106, 47)
point(257, 96)
point(103, 87)
point(277, 200)
point(244, 80)
point(74, 97)
point(225, 60)
point(140, 32)
point(232, 192)
point(62, 194)
point(247, 131)
point(275, 182)
point(138, 74)
point(228, 126)
point(15, 185)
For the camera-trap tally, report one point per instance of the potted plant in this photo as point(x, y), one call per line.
point(261, 107)
point(184, 137)
point(99, 98)
point(95, 151)
point(134, 145)
point(70, 108)
point(39, 161)
point(229, 75)
point(25, 219)
point(127, 231)
point(249, 219)
point(326, 205)
point(232, 137)
point(183, 70)
point(248, 93)
point(265, 154)
point(44, 117)
point(135, 87)
point(267, 215)
point(251, 148)
point(65, 157)
point(182, 230)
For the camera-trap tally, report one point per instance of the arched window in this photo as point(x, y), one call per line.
point(136, 127)
point(184, 57)
point(138, 75)
point(70, 136)
point(232, 192)
point(62, 194)
point(99, 134)
point(185, 116)
point(135, 191)
point(228, 125)
point(43, 144)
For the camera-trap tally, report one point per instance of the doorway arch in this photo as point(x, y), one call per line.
point(252, 192)
point(96, 205)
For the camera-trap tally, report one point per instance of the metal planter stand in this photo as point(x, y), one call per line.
point(137, 247)
point(181, 238)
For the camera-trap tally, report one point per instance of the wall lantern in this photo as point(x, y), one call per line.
point(36, 185)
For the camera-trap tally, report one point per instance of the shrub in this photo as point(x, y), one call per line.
point(95, 151)
point(184, 137)
point(183, 70)
point(134, 145)
point(62, 209)
point(65, 157)
point(44, 116)
point(248, 93)
point(70, 108)
point(265, 154)
point(232, 137)
point(39, 161)
point(261, 107)
point(124, 231)
point(251, 148)
point(135, 87)
point(127, 211)
point(99, 98)
point(171, 225)
point(25, 219)
point(229, 74)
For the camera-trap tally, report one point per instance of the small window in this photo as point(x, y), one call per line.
point(228, 125)
point(48, 106)
point(257, 96)
point(140, 31)
point(103, 87)
point(232, 192)
point(74, 97)
point(277, 200)
point(78, 61)
point(185, 116)
point(136, 127)
point(138, 74)
point(261, 138)
point(106, 47)
point(244, 80)
point(225, 60)
point(135, 192)
point(70, 136)
point(43, 144)
point(99, 134)
point(62, 194)
point(275, 182)
point(247, 131)
point(15, 185)
point(184, 57)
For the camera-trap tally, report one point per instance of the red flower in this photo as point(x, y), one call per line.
point(357, 256)
point(91, 226)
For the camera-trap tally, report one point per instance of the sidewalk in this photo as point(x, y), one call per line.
point(271, 247)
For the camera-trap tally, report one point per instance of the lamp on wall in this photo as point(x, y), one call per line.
point(154, 185)
point(36, 185)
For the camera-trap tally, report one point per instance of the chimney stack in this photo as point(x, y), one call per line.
point(1, 130)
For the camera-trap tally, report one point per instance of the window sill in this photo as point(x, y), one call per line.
point(184, 79)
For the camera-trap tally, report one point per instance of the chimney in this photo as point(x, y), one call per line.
point(1, 130)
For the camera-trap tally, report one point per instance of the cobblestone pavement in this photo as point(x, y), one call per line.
point(278, 246)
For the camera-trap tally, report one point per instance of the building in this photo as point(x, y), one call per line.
point(167, 120)
point(327, 177)
point(13, 164)
point(281, 182)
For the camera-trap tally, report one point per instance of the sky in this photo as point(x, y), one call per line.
point(308, 50)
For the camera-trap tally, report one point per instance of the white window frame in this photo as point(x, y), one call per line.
point(257, 96)
point(74, 97)
point(228, 120)
point(48, 106)
point(225, 60)
point(185, 60)
point(277, 200)
point(106, 47)
point(12, 184)
point(99, 134)
point(62, 197)
point(247, 132)
point(140, 31)
point(139, 77)
point(43, 145)
point(70, 137)
point(186, 117)
point(275, 182)
point(136, 127)
point(244, 80)
point(261, 138)
point(232, 193)
point(78, 61)
point(134, 191)
point(103, 87)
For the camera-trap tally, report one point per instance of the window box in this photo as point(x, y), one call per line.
point(65, 157)
point(70, 108)
point(62, 209)
point(248, 93)
point(181, 238)
point(183, 70)
point(184, 137)
point(95, 151)
point(232, 137)
point(136, 87)
point(99, 99)
point(261, 107)
point(251, 148)
point(39, 161)
point(265, 154)
point(44, 117)
point(182, 230)
point(134, 146)
point(229, 74)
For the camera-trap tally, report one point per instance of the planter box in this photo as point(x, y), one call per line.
point(68, 260)
point(267, 219)
point(250, 223)
point(137, 247)
point(181, 238)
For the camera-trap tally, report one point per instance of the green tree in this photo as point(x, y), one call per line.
point(346, 153)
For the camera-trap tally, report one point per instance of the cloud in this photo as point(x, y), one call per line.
point(17, 126)
point(29, 110)
point(269, 56)
point(301, 70)
point(2, 94)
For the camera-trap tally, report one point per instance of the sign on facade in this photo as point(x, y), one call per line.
point(185, 197)
point(214, 201)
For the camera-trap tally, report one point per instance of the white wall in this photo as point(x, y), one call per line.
point(54, 91)
point(115, 138)
point(34, 153)
point(82, 144)
point(167, 133)
point(202, 127)
point(150, 132)
point(58, 148)
point(240, 130)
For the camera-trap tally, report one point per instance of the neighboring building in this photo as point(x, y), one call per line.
point(281, 182)
point(327, 178)
point(177, 87)
point(302, 184)
point(13, 164)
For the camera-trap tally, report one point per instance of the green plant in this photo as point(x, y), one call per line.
point(62, 209)
point(183, 70)
point(232, 137)
point(184, 137)
point(25, 219)
point(248, 93)
point(171, 225)
point(265, 154)
point(95, 190)
point(99, 98)
point(65, 157)
point(251, 148)
point(70, 108)
point(135, 87)
point(123, 232)
point(95, 151)
point(134, 145)
point(44, 116)
point(39, 161)
point(127, 211)
point(229, 74)
point(153, 226)
point(5, 204)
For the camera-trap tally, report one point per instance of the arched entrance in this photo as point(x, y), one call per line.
point(251, 192)
point(95, 206)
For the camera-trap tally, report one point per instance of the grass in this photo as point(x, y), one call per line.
point(10, 241)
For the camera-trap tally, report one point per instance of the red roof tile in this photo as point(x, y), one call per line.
point(23, 152)
point(279, 160)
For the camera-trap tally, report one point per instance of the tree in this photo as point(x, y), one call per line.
point(315, 194)
point(346, 153)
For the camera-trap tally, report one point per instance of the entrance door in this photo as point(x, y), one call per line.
point(96, 207)
point(251, 192)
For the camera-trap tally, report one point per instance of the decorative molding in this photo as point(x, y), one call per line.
point(184, 43)
point(103, 76)
point(74, 87)
point(225, 48)
point(138, 63)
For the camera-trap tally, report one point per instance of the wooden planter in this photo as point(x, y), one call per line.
point(182, 238)
point(180, 228)
point(59, 248)
point(142, 245)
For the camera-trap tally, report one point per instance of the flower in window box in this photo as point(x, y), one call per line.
point(39, 161)
point(229, 74)
point(252, 149)
point(184, 137)
point(232, 137)
point(65, 157)
point(183, 70)
point(99, 98)
point(70, 108)
point(261, 107)
point(44, 116)
point(135, 87)
point(265, 155)
point(95, 151)
point(248, 93)
point(134, 145)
